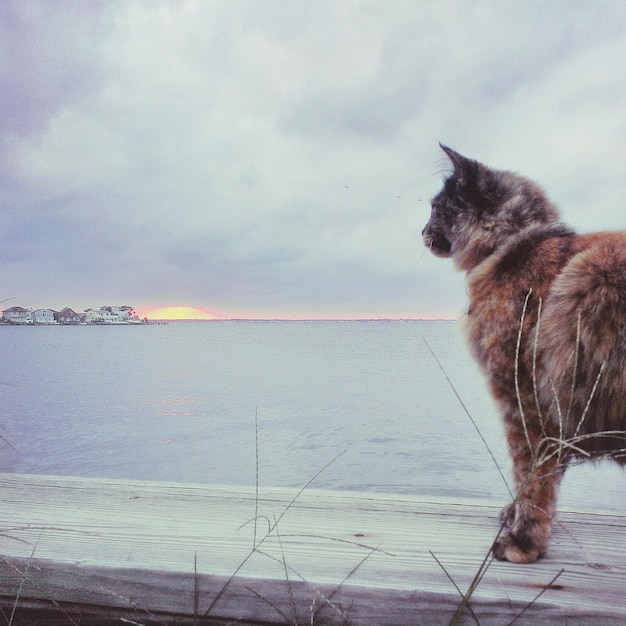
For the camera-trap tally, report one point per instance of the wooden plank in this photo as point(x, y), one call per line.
point(151, 549)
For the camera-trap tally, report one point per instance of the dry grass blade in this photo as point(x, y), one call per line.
point(517, 388)
point(327, 601)
point(469, 415)
point(24, 579)
point(307, 485)
point(575, 369)
point(269, 533)
point(5, 440)
point(271, 604)
point(292, 602)
point(20, 589)
point(534, 367)
point(350, 542)
point(591, 395)
point(465, 603)
point(196, 590)
point(530, 604)
point(256, 481)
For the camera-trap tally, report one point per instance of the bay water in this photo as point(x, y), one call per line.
point(384, 406)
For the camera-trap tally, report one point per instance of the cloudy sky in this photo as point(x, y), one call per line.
point(263, 158)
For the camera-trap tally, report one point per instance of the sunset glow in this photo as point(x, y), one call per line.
point(177, 313)
point(201, 313)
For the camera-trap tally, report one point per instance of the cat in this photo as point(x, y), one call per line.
point(547, 324)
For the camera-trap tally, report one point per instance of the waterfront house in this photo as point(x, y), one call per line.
point(125, 314)
point(101, 316)
point(104, 315)
point(67, 316)
point(43, 316)
point(17, 315)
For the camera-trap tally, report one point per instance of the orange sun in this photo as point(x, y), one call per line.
point(177, 313)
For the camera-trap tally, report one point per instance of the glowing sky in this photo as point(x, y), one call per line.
point(176, 313)
point(275, 158)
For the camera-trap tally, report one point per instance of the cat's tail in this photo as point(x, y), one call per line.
point(582, 341)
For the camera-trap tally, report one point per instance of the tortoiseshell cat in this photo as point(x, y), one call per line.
point(547, 323)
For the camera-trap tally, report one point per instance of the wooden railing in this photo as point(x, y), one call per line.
point(74, 550)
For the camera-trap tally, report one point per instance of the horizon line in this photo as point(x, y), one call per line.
point(306, 319)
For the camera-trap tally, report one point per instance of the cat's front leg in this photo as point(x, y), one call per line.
point(527, 521)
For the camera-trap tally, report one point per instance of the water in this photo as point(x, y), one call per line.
point(181, 402)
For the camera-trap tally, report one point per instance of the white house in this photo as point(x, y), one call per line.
point(125, 314)
point(118, 315)
point(104, 315)
point(17, 315)
point(43, 316)
point(101, 316)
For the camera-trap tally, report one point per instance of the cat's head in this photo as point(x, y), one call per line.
point(479, 209)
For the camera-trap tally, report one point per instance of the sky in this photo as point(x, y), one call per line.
point(275, 159)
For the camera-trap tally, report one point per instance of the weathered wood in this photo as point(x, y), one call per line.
point(169, 553)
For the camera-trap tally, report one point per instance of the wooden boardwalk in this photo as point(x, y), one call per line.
point(76, 550)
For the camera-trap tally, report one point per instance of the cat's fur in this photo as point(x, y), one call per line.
point(547, 323)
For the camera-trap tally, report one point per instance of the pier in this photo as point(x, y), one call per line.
point(91, 551)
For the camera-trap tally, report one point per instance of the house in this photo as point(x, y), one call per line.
point(67, 316)
point(125, 314)
point(101, 316)
point(117, 316)
point(104, 315)
point(17, 315)
point(43, 316)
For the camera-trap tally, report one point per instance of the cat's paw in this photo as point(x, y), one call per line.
point(510, 548)
point(525, 533)
point(524, 540)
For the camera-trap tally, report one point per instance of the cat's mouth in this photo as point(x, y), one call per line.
point(437, 244)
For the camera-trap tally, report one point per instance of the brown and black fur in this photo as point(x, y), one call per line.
point(547, 323)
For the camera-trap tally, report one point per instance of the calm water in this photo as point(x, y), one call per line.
point(179, 402)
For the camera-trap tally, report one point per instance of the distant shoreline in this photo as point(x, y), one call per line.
point(153, 322)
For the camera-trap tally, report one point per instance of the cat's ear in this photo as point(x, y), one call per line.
point(464, 168)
